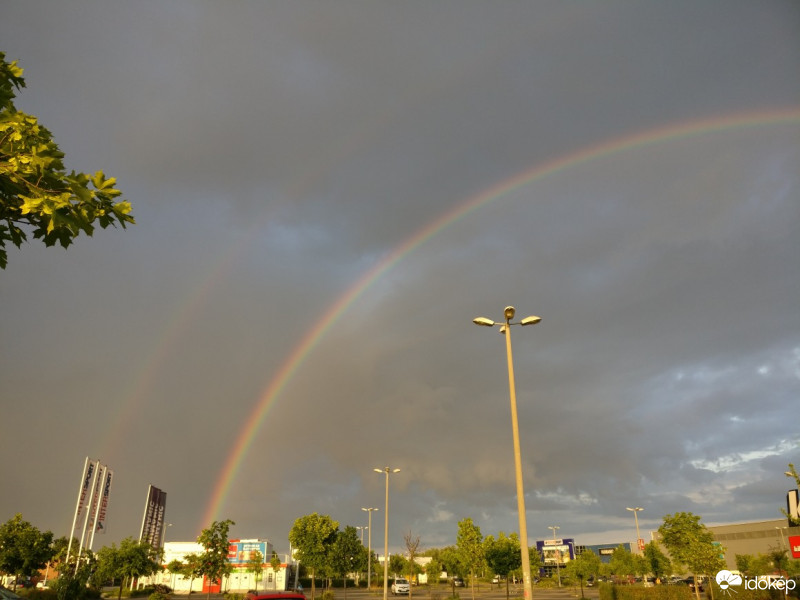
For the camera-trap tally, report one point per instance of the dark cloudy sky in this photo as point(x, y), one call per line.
point(634, 174)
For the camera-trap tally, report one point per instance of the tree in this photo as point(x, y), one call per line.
point(23, 548)
point(36, 192)
point(175, 567)
point(470, 549)
point(192, 567)
point(412, 547)
point(434, 571)
point(535, 559)
point(657, 562)
point(312, 536)
point(448, 557)
point(346, 554)
point(397, 564)
point(132, 559)
point(585, 566)
point(275, 563)
point(690, 543)
point(621, 563)
point(215, 564)
point(256, 566)
point(503, 555)
point(744, 563)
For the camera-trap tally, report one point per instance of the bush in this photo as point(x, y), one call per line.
point(158, 596)
point(327, 595)
point(609, 591)
point(68, 587)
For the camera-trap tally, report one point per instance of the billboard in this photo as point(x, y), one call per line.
point(556, 552)
point(153, 521)
point(794, 545)
point(240, 552)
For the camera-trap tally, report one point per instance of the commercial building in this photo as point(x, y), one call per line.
point(242, 578)
point(755, 537)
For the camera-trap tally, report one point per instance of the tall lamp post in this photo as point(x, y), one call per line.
point(558, 557)
point(369, 546)
point(361, 530)
point(386, 470)
point(783, 539)
point(635, 512)
point(505, 329)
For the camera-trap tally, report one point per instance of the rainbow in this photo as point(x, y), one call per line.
point(230, 469)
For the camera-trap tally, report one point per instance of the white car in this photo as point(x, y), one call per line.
point(400, 586)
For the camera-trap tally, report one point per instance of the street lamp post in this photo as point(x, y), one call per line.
point(386, 470)
point(369, 546)
point(558, 557)
point(635, 512)
point(505, 329)
point(783, 539)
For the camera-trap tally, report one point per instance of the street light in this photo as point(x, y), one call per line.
point(639, 540)
point(523, 527)
point(369, 546)
point(386, 470)
point(558, 558)
point(783, 539)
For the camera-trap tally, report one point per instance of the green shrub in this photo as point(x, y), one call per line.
point(609, 591)
point(327, 595)
point(158, 596)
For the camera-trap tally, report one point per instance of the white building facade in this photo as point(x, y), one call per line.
point(242, 578)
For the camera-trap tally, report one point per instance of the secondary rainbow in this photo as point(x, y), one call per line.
point(787, 116)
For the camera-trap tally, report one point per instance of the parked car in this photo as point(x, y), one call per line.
point(458, 582)
point(6, 594)
point(690, 582)
point(400, 586)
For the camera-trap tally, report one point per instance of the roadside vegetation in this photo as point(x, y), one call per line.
point(331, 559)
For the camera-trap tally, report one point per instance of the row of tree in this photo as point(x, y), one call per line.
point(25, 551)
point(326, 551)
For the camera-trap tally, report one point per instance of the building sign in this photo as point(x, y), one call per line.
point(153, 521)
point(794, 545)
point(558, 551)
point(241, 552)
point(606, 551)
point(792, 506)
point(100, 521)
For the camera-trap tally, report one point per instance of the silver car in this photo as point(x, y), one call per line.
point(400, 586)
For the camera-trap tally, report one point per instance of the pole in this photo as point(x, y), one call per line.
point(386, 541)
point(369, 547)
point(77, 509)
point(523, 525)
point(88, 511)
point(557, 553)
point(639, 540)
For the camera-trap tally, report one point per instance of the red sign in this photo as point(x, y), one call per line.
point(794, 545)
point(641, 544)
